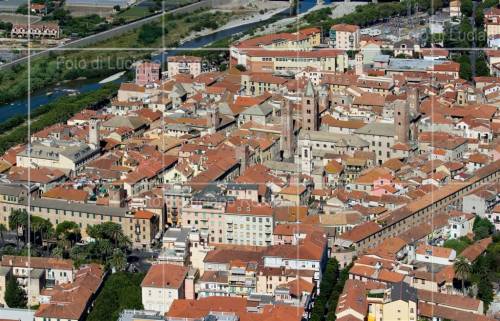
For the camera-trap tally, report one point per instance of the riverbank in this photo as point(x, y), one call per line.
point(338, 10)
point(238, 21)
point(58, 111)
point(69, 65)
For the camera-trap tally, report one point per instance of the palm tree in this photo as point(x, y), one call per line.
point(68, 232)
point(18, 219)
point(463, 270)
point(42, 227)
point(118, 260)
point(105, 247)
point(114, 231)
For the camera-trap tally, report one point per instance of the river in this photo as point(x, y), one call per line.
point(20, 107)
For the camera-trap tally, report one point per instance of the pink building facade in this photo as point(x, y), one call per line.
point(147, 73)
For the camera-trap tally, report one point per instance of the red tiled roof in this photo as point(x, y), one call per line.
point(165, 276)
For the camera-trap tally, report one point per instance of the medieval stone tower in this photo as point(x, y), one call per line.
point(310, 108)
point(94, 138)
point(287, 138)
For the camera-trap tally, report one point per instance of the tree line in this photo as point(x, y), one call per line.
point(331, 287)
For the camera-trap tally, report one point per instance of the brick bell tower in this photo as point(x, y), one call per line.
point(310, 108)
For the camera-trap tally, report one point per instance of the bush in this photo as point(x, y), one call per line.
point(458, 244)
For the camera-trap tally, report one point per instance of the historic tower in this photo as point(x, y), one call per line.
point(213, 120)
point(310, 108)
point(402, 121)
point(358, 67)
point(287, 138)
point(94, 138)
point(306, 157)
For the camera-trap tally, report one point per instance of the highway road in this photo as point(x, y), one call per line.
point(89, 40)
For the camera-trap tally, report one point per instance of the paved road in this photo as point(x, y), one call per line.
point(111, 32)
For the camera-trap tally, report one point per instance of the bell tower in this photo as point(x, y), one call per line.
point(310, 108)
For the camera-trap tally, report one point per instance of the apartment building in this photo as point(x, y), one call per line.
point(305, 39)
point(176, 197)
point(187, 65)
point(163, 284)
point(72, 301)
point(380, 137)
point(147, 73)
point(36, 273)
point(205, 212)
point(248, 223)
point(239, 280)
point(345, 36)
point(290, 61)
point(140, 226)
point(492, 22)
point(256, 84)
point(63, 155)
point(226, 220)
point(175, 246)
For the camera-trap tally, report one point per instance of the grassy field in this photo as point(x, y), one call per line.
point(134, 13)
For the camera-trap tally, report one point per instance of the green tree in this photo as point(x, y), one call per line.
point(482, 67)
point(485, 291)
point(120, 291)
point(23, 9)
point(150, 33)
point(482, 228)
point(15, 297)
point(109, 231)
point(3, 229)
point(41, 227)
point(479, 17)
point(462, 270)
point(240, 67)
point(18, 220)
point(68, 232)
point(466, 7)
point(58, 252)
point(118, 260)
